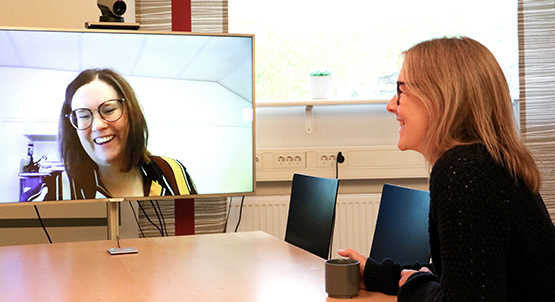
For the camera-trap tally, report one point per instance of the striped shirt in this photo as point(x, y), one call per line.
point(162, 176)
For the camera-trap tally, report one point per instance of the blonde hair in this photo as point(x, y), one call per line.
point(467, 97)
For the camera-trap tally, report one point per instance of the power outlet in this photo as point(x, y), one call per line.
point(289, 160)
point(328, 159)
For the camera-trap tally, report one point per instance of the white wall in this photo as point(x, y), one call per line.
point(340, 128)
point(334, 125)
point(55, 13)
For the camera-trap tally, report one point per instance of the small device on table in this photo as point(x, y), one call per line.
point(122, 250)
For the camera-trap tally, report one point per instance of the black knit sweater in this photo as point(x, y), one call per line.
point(490, 238)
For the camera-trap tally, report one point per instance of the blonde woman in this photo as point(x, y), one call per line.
point(491, 238)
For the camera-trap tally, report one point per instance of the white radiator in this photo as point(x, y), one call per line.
point(355, 220)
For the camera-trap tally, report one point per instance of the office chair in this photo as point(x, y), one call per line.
point(401, 232)
point(312, 213)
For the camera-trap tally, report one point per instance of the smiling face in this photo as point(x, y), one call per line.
point(413, 119)
point(103, 141)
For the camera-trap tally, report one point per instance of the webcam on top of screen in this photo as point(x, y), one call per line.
point(112, 10)
point(112, 16)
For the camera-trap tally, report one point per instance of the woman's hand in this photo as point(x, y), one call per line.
point(352, 254)
point(406, 273)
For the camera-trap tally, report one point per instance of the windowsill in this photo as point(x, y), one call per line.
point(310, 103)
point(324, 102)
point(317, 102)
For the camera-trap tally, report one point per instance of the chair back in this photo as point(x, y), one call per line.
point(311, 215)
point(401, 232)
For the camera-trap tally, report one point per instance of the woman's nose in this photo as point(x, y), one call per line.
point(392, 105)
point(98, 122)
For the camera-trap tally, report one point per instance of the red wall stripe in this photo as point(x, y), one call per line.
point(184, 216)
point(181, 15)
point(184, 208)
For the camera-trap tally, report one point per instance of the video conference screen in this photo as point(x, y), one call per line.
point(195, 92)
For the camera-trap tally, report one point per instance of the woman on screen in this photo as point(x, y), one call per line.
point(491, 237)
point(103, 143)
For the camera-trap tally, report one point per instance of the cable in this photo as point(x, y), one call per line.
point(163, 219)
point(158, 215)
point(228, 211)
point(240, 214)
point(136, 219)
point(339, 160)
point(42, 224)
point(148, 218)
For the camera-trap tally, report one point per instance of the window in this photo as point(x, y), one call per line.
point(360, 41)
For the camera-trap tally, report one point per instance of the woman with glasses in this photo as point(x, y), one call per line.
point(491, 237)
point(103, 143)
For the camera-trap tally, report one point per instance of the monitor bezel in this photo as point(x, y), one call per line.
point(140, 198)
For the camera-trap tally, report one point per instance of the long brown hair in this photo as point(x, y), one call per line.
point(468, 100)
point(76, 161)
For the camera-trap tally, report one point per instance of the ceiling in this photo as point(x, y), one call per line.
point(225, 59)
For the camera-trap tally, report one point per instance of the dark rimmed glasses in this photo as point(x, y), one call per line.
point(398, 95)
point(110, 111)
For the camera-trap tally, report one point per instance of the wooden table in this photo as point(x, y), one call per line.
point(243, 267)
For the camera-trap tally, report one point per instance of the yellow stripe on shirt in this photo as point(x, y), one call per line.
point(155, 189)
point(179, 175)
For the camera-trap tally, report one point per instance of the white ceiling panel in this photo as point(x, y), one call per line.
point(46, 50)
point(8, 55)
point(220, 58)
point(117, 51)
point(211, 58)
point(166, 55)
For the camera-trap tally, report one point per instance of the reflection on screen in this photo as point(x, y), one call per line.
point(196, 92)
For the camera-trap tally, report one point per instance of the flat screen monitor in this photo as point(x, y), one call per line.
point(195, 90)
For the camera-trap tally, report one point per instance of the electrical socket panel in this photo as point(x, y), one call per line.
point(289, 160)
point(328, 158)
point(298, 160)
point(375, 162)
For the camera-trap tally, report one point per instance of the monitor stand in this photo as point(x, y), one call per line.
point(112, 25)
point(112, 207)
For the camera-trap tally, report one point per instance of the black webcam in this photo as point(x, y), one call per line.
point(112, 10)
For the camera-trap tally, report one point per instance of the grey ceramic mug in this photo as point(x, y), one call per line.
point(342, 278)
